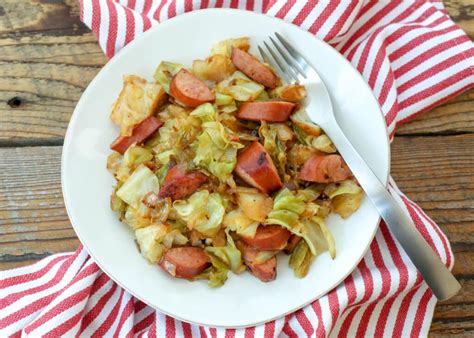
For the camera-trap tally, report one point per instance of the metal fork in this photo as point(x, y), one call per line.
point(294, 68)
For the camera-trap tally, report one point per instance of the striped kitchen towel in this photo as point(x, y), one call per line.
point(413, 57)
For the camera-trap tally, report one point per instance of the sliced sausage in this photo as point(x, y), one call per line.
point(266, 271)
point(140, 133)
point(292, 242)
point(325, 169)
point(256, 167)
point(268, 237)
point(271, 111)
point(184, 262)
point(189, 90)
point(179, 184)
point(253, 68)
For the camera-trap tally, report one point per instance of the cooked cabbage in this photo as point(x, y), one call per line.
point(225, 257)
point(215, 151)
point(263, 256)
point(149, 241)
point(240, 87)
point(137, 101)
point(346, 197)
point(165, 72)
point(292, 93)
point(304, 125)
point(299, 154)
point(255, 205)
point(224, 100)
point(301, 259)
point(237, 221)
point(141, 182)
point(134, 219)
point(225, 47)
point(273, 145)
point(215, 68)
point(202, 212)
point(205, 112)
point(134, 156)
point(117, 167)
point(331, 245)
point(323, 143)
point(287, 208)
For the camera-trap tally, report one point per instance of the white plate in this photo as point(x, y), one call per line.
point(243, 300)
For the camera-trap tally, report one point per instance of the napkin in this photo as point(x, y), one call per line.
point(413, 57)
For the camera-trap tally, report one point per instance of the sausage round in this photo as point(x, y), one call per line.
point(266, 271)
point(140, 133)
point(253, 68)
point(325, 169)
point(271, 111)
point(189, 90)
point(268, 237)
point(184, 262)
point(179, 184)
point(256, 167)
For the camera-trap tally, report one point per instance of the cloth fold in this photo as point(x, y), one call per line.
point(413, 57)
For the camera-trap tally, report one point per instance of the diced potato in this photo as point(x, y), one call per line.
point(302, 121)
point(254, 205)
point(137, 101)
point(215, 68)
point(292, 93)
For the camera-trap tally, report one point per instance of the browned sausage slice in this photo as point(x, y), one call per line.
point(266, 271)
point(189, 90)
point(256, 167)
point(140, 133)
point(292, 242)
point(185, 262)
point(271, 111)
point(179, 184)
point(253, 68)
point(325, 169)
point(268, 237)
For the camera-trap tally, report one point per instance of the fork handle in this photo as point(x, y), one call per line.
point(441, 281)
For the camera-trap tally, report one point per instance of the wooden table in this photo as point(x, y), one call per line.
point(48, 57)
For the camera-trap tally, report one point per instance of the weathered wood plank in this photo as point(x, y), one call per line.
point(47, 58)
point(33, 220)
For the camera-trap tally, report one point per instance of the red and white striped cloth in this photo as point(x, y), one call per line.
point(413, 57)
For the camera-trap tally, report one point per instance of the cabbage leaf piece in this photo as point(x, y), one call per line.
point(240, 87)
point(165, 72)
point(346, 197)
point(202, 212)
point(290, 210)
point(141, 182)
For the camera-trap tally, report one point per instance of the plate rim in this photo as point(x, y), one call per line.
point(98, 76)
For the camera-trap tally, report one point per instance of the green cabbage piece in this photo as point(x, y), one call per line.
point(216, 276)
point(134, 219)
point(240, 87)
point(117, 167)
point(346, 197)
point(273, 145)
point(205, 112)
point(141, 182)
point(288, 207)
point(237, 221)
point(202, 212)
point(165, 72)
point(301, 259)
point(224, 100)
point(134, 156)
point(148, 239)
point(323, 143)
point(225, 257)
point(215, 151)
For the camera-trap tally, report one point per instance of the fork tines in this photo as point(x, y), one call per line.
point(285, 59)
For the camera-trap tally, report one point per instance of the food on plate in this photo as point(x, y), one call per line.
point(219, 169)
point(270, 111)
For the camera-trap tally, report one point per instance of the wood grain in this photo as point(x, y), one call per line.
point(48, 57)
